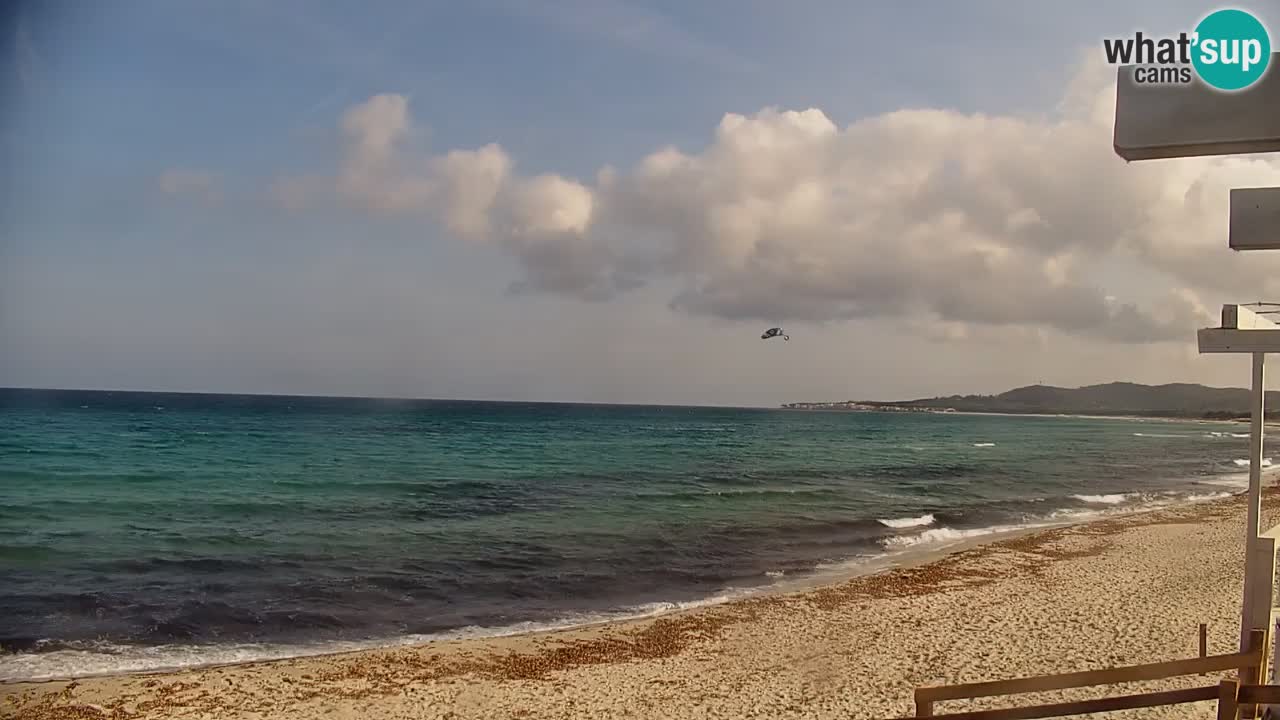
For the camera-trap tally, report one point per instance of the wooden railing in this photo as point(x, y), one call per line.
point(1251, 666)
point(1240, 700)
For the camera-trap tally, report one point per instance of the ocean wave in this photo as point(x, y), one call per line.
point(984, 444)
point(1244, 462)
point(51, 660)
point(1139, 502)
point(1112, 499)
point(908, 522)
point(48, 660)
point(1204, 497)
point(1076, 515)
point(947, 536)
point(709, 493)
point(1217, 434)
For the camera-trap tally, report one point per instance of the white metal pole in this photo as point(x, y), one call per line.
point(1252, 528)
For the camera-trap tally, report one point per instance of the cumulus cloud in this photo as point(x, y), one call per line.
point(469, 185)
point(941, 218)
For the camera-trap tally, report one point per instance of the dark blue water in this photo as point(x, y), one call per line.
point(141, 530)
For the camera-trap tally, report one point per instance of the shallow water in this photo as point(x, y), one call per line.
point(152, 530)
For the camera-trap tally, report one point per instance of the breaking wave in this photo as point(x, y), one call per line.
point(908, 522)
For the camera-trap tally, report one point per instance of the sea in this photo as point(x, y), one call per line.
point(145, 531)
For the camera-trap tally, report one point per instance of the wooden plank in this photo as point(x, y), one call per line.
point(1260, 694)
point(924, 706)
point(1204, 641)
point(1252, 616)
point(1099, 705)
point(1254, 219)
point(1263, 639)
point(1228, 692)
point(1108, 676)
point(1218, 340)
point(1167, 121)
point(1264, 568)
point(1252, 675)
point(1239, 317)
point(1255, 615)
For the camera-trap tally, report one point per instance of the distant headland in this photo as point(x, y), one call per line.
point(1177, 400)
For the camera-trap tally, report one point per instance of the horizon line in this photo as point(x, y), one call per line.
point(391, 398)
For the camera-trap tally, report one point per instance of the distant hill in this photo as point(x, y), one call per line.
point(1119, 398)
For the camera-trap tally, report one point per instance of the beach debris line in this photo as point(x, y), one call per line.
point(773, 333)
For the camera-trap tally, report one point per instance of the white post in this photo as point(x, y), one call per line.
point(1264, 576)
point(1252, 529)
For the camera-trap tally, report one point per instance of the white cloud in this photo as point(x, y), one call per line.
point(373, 173)
point(470, 181)
point(549, 205)
point(942, 219)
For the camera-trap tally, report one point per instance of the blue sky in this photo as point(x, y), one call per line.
point(141, 138)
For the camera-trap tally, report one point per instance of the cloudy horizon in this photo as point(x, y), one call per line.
point(599, 202)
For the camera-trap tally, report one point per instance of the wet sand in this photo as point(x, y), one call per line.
point(1124, 590)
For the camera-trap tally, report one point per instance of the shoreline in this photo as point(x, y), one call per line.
point(510, 661)
point(836, 573)
point(1074, 416)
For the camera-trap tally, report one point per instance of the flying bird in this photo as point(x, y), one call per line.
point(774, 332)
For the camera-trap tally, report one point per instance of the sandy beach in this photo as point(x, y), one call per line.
point(1124, 590)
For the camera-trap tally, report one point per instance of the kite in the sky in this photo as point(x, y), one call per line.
point(774, 332)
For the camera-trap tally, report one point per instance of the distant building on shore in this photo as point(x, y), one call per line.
point(855, 406)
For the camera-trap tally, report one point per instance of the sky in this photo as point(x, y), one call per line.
point(599, 201)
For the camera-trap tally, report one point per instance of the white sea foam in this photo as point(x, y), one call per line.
point(1244, 462)
point(1113, 499)
point(105, 658)
point(111, 659)
point(1074, 515)
point(1236, 480)
point(946, 536)
point(1203, 497)
point(908, 522)
point(984, 444)
point(1110, 506)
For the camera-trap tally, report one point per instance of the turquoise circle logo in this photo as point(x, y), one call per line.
point(1232, 49)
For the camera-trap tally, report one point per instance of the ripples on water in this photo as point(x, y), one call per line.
point(139, 530)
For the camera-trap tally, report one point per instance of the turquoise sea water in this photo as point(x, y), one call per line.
point(154, 530)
